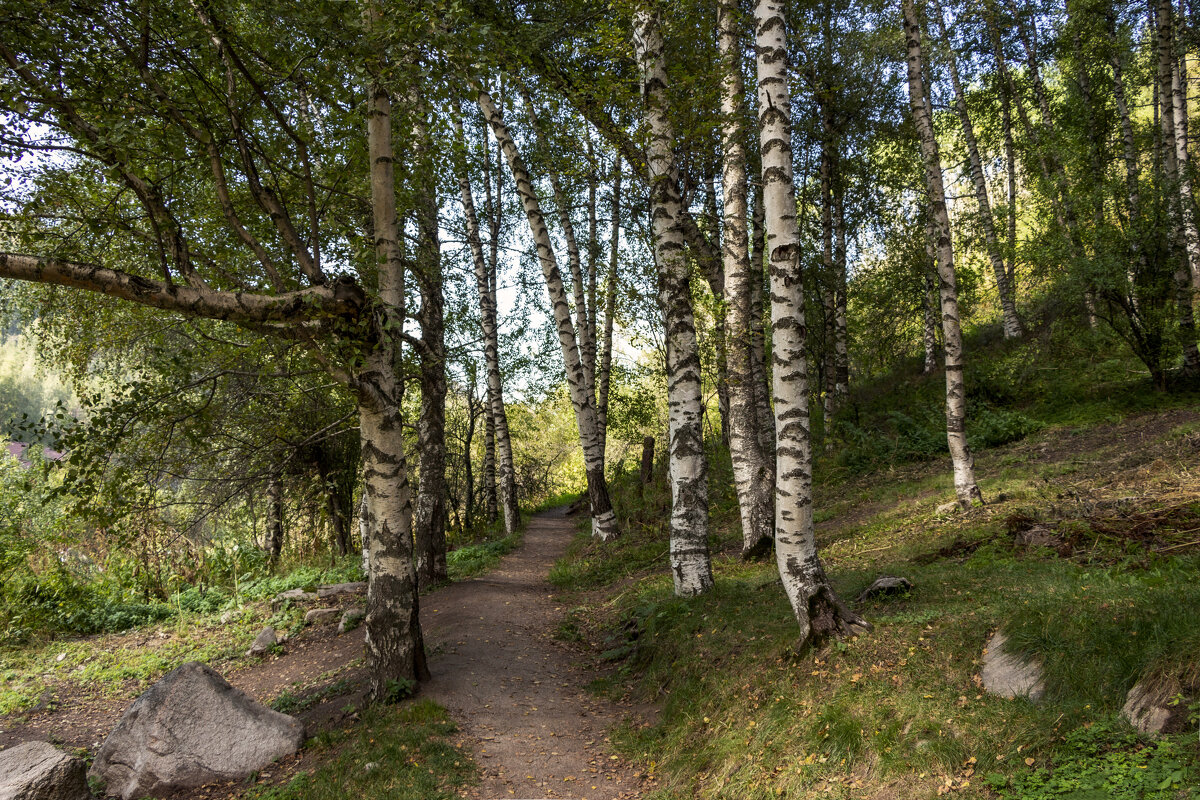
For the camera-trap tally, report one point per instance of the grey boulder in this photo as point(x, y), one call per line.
point(351, 619)
point(40, 771)
point(1148, 708)
point(1010, 675)
point(294, 596)
point(885, 585)
point(334, 589)
point(189, 729)
point(319, 615)
point(263, 642)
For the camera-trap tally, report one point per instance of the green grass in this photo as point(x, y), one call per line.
point(474, 559)
point(899, 712)
point(402, 752)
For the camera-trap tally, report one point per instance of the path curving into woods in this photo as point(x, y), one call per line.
point(519, 694)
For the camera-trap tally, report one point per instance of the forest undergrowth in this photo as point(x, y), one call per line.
point(1086, 555)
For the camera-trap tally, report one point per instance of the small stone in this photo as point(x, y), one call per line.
point(319, 615)
point(1147, 709)
point(264, 642)
point(60, 658)
point(351, 619)
point(370, 765)
point(1009, 675)
point(335, 589)
point(40, 771)
point(947, 508)
point(885, 585)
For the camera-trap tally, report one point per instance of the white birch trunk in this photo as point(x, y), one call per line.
point(604, 520)
point(1008, 306)
point(491, 353)
point(956, 409)
point(819, 612)
point(394, 647)
point(1166, 41)
point(752, 477)
point(688, 467)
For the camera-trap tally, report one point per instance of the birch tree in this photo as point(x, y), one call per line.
point(752, 474)
point(1012, 323)
point(213, 232)
point(819, 611)
point(604, 520)
point(956, 434)
point(491, 346)
point(688, 467)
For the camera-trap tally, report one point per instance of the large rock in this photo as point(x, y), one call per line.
point(334, 589)
point(40, 771)
point(189, 729)
point(1010, 675)
point(1148, 708)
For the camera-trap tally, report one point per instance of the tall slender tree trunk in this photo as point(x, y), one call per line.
point(758, 334)
point(604, 520)
point(1173, 181)
point(430, 515)
point(1166, 43)
point(828, 293)
point(688, 467)
point(489, 459)
point(752, 477)
point(1012, 323)
point(274, 518)
point(956, 435)
point(841, 343)
point(604, 375)
point(819, 611)
point(395, 649)
point(1010, 158)
point(497, 414)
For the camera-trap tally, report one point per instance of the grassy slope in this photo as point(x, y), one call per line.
point(899, 712)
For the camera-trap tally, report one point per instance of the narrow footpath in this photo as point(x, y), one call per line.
point(518, 693)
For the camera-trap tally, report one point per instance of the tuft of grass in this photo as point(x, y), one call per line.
point(474, 559)
point(397, 752)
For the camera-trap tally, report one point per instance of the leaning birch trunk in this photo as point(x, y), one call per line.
point(688, 467)
point(1008, 306)
point(604, 369)
point(604, 520)
point(752, 477)
point(491, 352)
point(956, 435)
point(395, 651)
point(818, 609)
point(429, 517)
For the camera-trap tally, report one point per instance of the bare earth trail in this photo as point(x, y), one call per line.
point(517, 694)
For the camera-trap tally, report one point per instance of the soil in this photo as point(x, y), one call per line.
point(518, 695)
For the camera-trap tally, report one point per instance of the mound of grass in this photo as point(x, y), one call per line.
point(402, 752)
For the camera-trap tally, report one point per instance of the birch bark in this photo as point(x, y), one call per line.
point(497, 414)
point(395, 649)
point(429, 517)
point(819, 611)
point(688, 467)
point(960, 453)
point(1012, 323)
point(752, 477)
point(604, 376)
point(604, 520)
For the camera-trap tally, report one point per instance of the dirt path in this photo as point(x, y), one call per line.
point(516, 691)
